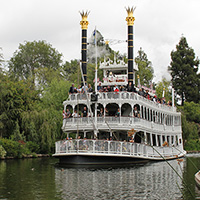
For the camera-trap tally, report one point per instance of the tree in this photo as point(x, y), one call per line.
point(145, 69)
point(1, 60)
point(17, 136)
point(183, 69)
point(31, 57)
point(15, 98)
point(192, 112)
point(72, 71)
point(163, 85)
point(43, 124)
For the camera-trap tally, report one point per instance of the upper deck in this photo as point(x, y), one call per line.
point(120, 98)
point(152, 115)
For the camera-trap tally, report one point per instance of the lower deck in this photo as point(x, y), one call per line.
point(85, 151)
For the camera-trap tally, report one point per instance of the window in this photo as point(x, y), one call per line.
point(172, 140)
point(158, 138)
point(154, 139)
point(163, 138)
point(148, 138)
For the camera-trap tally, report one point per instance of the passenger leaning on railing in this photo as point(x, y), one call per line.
point(99, 87)
point(84, 113)
point(117, 114)
point(75, 114)
point(64, 114)
point(130, 87)
point(68, 113)
point(79, 89)
point(84, 88)
point(136, 112)
point(101, 114)
point(116, 89)
point(72, 89)
point(141, 92)
point(90, 88)
point(109, 88)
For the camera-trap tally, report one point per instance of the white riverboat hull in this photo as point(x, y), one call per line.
point(109, 153)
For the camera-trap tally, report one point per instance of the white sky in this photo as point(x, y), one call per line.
point(158, 26)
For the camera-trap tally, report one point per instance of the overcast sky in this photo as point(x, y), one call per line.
point(158, 26)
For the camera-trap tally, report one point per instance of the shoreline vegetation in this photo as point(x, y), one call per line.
point(27, 156)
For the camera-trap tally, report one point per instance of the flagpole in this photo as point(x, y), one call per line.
point(163, 94)
point(95, 40)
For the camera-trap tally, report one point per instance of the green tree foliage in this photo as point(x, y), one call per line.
point(164, 84)
point(43, 124)
point(192, 112)
point(1, 60)
point(17, 136)
point(12, 148)
point(2, 152)
point(190, 129)
point(72, 71)
point(15, 97)
point(32, 57)
point(145, 69)
point(190, 125)
point(183, 69)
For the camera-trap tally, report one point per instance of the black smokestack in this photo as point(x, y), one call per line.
point(130, 54)
point(84, 54)
point(130, 21)
point(84, 25)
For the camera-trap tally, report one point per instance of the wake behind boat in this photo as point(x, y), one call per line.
point(118, 123)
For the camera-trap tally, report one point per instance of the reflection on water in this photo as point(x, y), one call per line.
point(151, 181)
point(42, 179)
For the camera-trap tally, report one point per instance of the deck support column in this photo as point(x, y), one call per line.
point(151, 139)
point(110, 133)
point(93, 146)
point(108, 146)
point(145, 137)
point(156, 140)
point(84, 134)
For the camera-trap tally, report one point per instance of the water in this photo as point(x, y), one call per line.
point(42, 179)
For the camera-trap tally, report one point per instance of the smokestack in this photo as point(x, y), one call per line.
point(84, 25)
point(130, 21)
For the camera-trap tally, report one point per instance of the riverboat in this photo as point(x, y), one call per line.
point(121, 127)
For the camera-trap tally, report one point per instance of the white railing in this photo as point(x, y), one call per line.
point(123, 122)
point(87, 146)
point(100, 120)
point(120, 96)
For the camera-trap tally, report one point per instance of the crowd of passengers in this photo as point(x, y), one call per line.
point(103, 145)
point(85, 113)
point(129, 88)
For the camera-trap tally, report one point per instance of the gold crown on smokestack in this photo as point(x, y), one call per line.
point(130, 19)
point(84, 23)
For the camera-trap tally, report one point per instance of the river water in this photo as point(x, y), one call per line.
point(42, 178)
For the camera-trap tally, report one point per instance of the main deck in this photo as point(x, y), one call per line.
point(85, 151)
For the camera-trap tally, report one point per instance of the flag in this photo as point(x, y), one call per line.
point(94, 34)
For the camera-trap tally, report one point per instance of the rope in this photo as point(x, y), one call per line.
point(173, 170)
point(88, 103)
